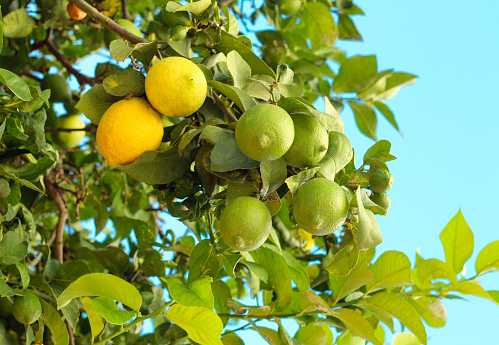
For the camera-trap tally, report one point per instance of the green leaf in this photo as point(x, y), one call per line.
point(6, 290)
point(101, 284)
point(358, 277)
point(106, 307)
point(95, 320)
point(387, 113)
point(159, 167)
point(331, 110)
point(472, 287)
point(12, 249)
point(203, 261)
point(239, 69)
point(271, 336)
point(314, 334)
point(405, 339)
point(317, 25)
point(38, 99)
point(356, 324)
point(231, 338)
point(356, 74)
point(197, 7)
point(232, 26)
point(285, 75)
point(298, 273)
point(18, 24)
point(338, 155)
point(26, 183)
point(399, 308)
point(227, 156)
point(457, 239)
point(368, 232)
point(221, 294)
point(395, 83)
point(348, 30)
point(294, 182)
point(431, 269)
point(95, 102)
point(120, 49)
point(230, 262)
point(430, 309)
point(197, 293)
point(379, 152)
point(124, 83)
point(230, 43)
point(203, 325)
point(273, 174)
point(365, 117)
point(15, 84)
point(348, 339)
point(24, 273)
point(391, 269)
point(54, 322)
point(240, 98)
point(488, 259)
point(344, 261)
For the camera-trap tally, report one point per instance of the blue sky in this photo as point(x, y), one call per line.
point(448, 157)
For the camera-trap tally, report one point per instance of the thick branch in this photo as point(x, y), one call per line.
point(55, 195)
point(124, 9)
point(108, 22)
point(82, 79)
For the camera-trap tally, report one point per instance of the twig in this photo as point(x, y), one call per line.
point(55, 195)
point(228, 113)
point(82, 79)
point(124, 9)
point(70, 332)
point(89, 128)
point(108, 22)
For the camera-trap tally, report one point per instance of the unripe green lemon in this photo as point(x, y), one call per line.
point(178, 33)
point(289, 7)
point(173, 19)
point(59, 88)
point(382, 200)
point(265, 132)
point(380, 181)
point(245, 224)
point(27, 309)
point(320, 206)
point(126, 24)
point(310, 143)
point(69, 139)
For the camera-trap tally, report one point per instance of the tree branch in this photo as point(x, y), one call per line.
point(124, 9)
point(55, 195)
point(228, 113)
point(108, 22)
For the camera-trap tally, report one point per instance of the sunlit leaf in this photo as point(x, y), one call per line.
point(197, 293)
point(54, 322)
point(392, 268)
point(488, 259)
point(457, 239)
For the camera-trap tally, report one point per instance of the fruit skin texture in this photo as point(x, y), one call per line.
point(310, 144)
point(245, 224)
point(320, 206)
point(127, 129)
point(59, 88)
point(69, 139)
point(27, 309)
point(382, 200)
point(75, 12)
point(176, 87)
point(380, 181)
point(265, 132)
point(289, 7)
point(126, 24)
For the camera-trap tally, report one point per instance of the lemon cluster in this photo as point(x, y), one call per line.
point(175, 87)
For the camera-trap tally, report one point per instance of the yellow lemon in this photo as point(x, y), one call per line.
point(127, 129)
point(176, 87)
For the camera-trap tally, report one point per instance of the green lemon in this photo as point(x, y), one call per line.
point(245, 224)
point(310, 143)
point(178, 33)
point(59, 88)
point(69, 139)
point(289, 7)
point(320, 206)
point(380, 181)
point(265, 132)
point(126, 24)
point(27, 309)
point(382, 200)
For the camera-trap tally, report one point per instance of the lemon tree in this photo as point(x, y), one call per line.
point(235, 139)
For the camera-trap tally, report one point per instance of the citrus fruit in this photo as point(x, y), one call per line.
point(59, 88)
point(27, 309)
point(173, 19)
point(75, 12)
point(126, 24)
point(274, 56)
point(265, 132)
point(310, 143)
point(380, 181)
point(245, 224)
point(176, 87)
point(320, 206)
point(69, 139)
point(178, 33)
point(127, 129)
point(289, 7)
point(382, 200)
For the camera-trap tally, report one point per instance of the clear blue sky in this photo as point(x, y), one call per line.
point(448, 157)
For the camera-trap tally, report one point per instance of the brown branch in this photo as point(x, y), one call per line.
point(89, 128)
point(70, 332)
point(108, 22)
point(82, 79)
point(228, 113)
point(54, 193)
point(124, 9)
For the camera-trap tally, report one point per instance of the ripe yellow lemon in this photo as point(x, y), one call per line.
point(245, 224)
point(320, 206)
point(176, 87)
point(265, 132)
point(127, 129)
point(69, 139)
point(310, 143)
point(27, 309)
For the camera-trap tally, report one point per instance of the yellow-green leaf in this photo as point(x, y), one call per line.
point(472, 287)
point(430, 309)
point(405, 339)
point(432, 269)
point(356, 324)
point(488, 259)
point(391, 269)
point(457, 239)
point(358, 277)
point(54, 322)
point(95, 320)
